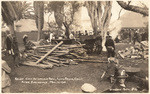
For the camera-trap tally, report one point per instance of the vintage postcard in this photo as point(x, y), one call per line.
point(74, 46)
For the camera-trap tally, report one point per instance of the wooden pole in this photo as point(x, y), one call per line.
point(49, 52)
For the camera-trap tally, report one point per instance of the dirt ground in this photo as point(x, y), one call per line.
point(68, 78)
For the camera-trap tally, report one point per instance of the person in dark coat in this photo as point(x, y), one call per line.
point(110, 46)
point(117, 39)
point(9, 42)
point(98, 43)
point(115, 71)
point(86, 33)
point(137, 37)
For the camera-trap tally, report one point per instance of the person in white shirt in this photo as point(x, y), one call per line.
point(51, 36)
point(71, 36)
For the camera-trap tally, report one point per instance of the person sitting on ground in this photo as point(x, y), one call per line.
point(110, 46)
point(6, 81)
point(115, 72)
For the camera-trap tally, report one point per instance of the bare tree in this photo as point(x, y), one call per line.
point(100, 15)
point(64, 13)
point(57, 7)
point(133, 8)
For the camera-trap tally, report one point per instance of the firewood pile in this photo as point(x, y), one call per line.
point(139, 50)
point(48, 56)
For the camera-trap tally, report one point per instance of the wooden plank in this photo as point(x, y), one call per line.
point(37, 65)
point(121, 55)
point(49, 52)
point(53, 60)
point(57, 52)
point(84, 60)
point(68, 46)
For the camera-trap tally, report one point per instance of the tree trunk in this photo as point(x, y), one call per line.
point(67, 33)
point(11, 28)
point(39, 26)
point(9, 15)
point(15, 42)
point(105, 22)
point(39, 17)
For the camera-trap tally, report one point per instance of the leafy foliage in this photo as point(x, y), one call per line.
point(64, 12)
point(14, 10)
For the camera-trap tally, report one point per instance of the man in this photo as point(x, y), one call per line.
point(71, 36)
point(115, 72)
point(137, 37)
point(108, 35)
point(86, 33)
point(79, 34)
point(51, 36)
point(117, 39)
point(9, 42)
point(28, 44)
point(110, 46)
point(98, 43)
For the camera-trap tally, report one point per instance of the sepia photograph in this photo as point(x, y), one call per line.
point(74, 46)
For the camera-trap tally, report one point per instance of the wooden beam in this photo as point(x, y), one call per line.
point(49, 52)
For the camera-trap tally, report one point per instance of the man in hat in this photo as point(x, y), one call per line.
point(137, 37)
point(115, 72)
point(110, 46)
point(98, 43)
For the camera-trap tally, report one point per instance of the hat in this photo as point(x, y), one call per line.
point(113, 60)
point(25, 36)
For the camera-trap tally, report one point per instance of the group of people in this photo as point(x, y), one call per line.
point(9, 45)
point(109, 44)
point(114, 71)
point(12, 47)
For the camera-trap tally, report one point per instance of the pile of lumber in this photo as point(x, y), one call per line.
point(140, 50)
point(47, 56)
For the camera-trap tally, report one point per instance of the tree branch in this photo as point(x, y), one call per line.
point(133, 8)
